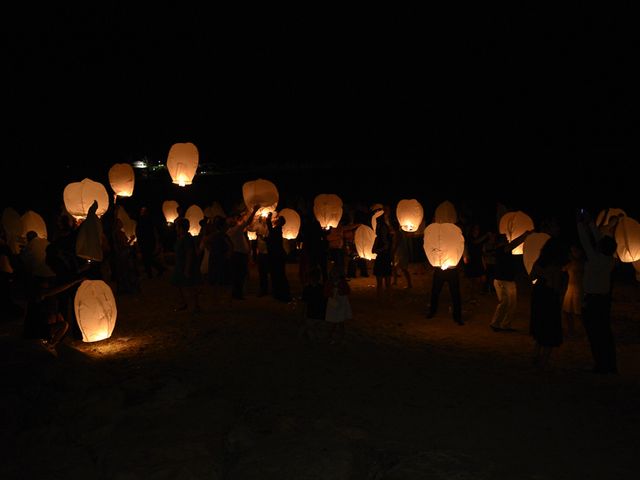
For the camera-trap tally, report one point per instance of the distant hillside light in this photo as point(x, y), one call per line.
point(410, 214)
point(444, 244)
point(194, 214)
point(628, 240)
point(33, 222)
point(445, 213)
point(514, 224)
point(79, 196)
point(327, 207)
point(95, 308)
point(182, 163)
point(170, 210)
point(262, 193)
point(532, 247)
point(364, 238)
point(292, 225)
point(122, 179)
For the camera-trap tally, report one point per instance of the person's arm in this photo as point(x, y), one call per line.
point(517, 241)
point(50, 292)
point(586, 239)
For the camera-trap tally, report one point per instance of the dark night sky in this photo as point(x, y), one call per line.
point(480, 90)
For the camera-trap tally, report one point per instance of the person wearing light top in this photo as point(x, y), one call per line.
point(596, 312)
point(240, 252)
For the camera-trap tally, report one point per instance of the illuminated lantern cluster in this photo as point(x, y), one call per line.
point(33, 222)
point(445, 213)
point(444, 244)
point(628, 240)
point(194, 214)
point(79, 196)
point(514, 224)
point(292, 225)
point(327, 207)
point(95, 308)
point(170, 210)
point(182, 163)
point(261, 193)
point(532, 247)
point(364, 238)
point(409, 214)
point(122, 179)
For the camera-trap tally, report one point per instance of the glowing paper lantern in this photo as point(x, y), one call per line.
point(252, 235)
point(122, 179)
point(628, 240)
point(445, 213)
point(128, 225)
point(170, 210)
point(33, 222)
point(444, 244)
point(79, 196)
point(262, 193)
point(532, 246)
point(292, 225)
point(410, 213)
point(364, 238)
point(327, 207)
point(194, 214)
point(613, 212)
point(12, 224)
point(182, 163)
point(95, 309)
point(514, 224)
point(374, 219)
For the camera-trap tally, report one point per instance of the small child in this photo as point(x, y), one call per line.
point(315, 305)
point(337, 292)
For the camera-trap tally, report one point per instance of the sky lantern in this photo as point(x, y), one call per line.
point(444, 244)
point(409, 214)
point(628, 240)
point(364, 238)
point(532, 247)
point(514, 224)
point(96, 311)
point(33, 222)
point(445, 213)
point(182, 163)
point(327, 207)
point(122, 179)
point(79, 196)
point(292, 225)
point(170, 210)
point(194, 214)
point(612, 212)
point(251, 235)
point(12, 224)
point(262, 193)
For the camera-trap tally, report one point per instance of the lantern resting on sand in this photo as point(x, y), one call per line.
point(95, 308)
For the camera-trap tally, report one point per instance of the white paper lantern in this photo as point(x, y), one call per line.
point(96, 311)
point(128, 225)
point(251, 235)
point(445, 213)
point(262, 193)
point(194, 214)
point(532, 247)
point(292, 225)
point(628, 240)
point(170, 210)
point(33, 222)
point(409, 214)
point(613, 212)
point(122, 179)
point(327, 207)
point(182, 163)
point(444, 244)
point(364, 238)
point(79, 196)
point(514, 224)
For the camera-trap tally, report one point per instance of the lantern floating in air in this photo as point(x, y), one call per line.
point(444, 244)
point(79, 196)
point(514, 224)
point(194, 214)
point(364, 238)
point(170, 210)
point(532, 247)
point(261, 193)
point(292, 225)
point(628, 240)
point(327, 207)
point(95, 309)
point(122, 179)
point(410, 213)
point(33, 222)
point(445, 213)
point(182, 163)
point(612, 212)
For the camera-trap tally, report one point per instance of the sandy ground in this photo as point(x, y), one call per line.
point(234, 393)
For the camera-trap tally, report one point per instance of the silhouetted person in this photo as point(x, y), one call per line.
point(450, 276)
point(149, 243)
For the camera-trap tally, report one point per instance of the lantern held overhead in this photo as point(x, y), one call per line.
point(445, 213)
point(327, 207)
point(194, 214)
point(261, 193)
point(628, 240)
point(409, 214)
point(170, 210)
point(292, 225)
point(444, 244)
point(182, 163)
point(122, 179)
point(532, 247)
point(514, 224)
point(33, 222)
point(79, 196)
